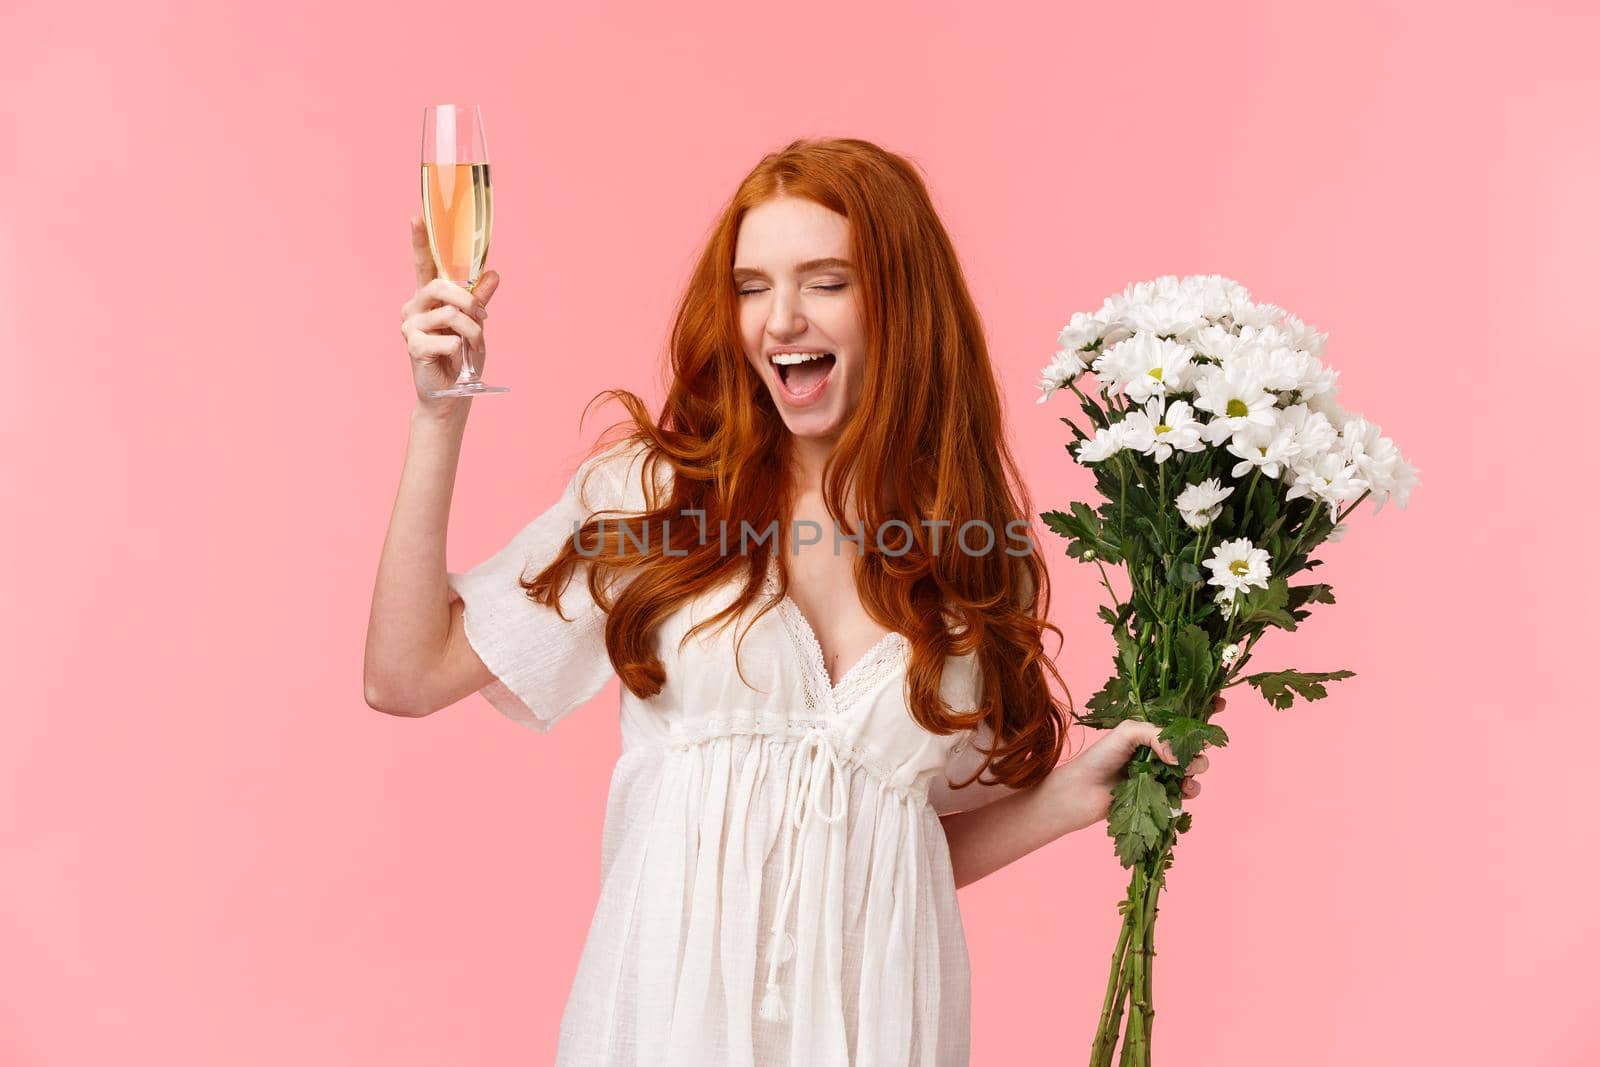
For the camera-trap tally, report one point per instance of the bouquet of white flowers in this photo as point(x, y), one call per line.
point(1224, 461)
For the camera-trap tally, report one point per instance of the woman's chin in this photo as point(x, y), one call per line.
point(821, 422)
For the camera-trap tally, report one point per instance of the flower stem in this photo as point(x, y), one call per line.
point(1105, 1038)
point(1200, 546)
point(1152, 892)
point(1133, 1042)
point(1244, 515)
point(1364, 494)
point(1106, 581)
point(1074, 387)
point(1304, 529)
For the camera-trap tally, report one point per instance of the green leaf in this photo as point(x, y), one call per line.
point(1082, 527)
point(1096, 416)
point(1152, 533)
point(1268, 538)
point(1267, 605)
point(1180, 570)
point(1188, 736)
point(1139, 813)
point(1299, 595)
point(1060, 522)
point(1279, 687)
point(1192, 651)
point(1267, 504)
point(1127, 653)
point(1077, 436)
point(1162, 709)
point(1110, 705)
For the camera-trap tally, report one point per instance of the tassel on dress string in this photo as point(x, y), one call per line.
point(772, 1003)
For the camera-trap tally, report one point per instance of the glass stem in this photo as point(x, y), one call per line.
point(469, 370)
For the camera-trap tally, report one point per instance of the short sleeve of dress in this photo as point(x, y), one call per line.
point(544, 666)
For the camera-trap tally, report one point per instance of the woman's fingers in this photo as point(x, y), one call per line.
point(451, 318)
point(421, 254)
point(1198, 765)
point(422, 345)
point(1136, 733)
point(442, 291)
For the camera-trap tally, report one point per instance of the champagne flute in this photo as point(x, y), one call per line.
point(458, 208)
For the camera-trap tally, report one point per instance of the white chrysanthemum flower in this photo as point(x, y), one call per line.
point(1162, 427)
point(1066, 366)
point(1113, 312)
point(1110, 365)
point(1313, 433)
point(1247, 314)
point(1201, 503)
point(1317, 379)
point(1230, 652)
point(1083, 329)
point(1177, 314)
point(1215, 341)
point(1225, 603)
point(1236, 400)
point(1237, 565)
point(1216, 294)
point(1271, 450)
point(1149, 366)
point(1328, 477)
point(1305, 337)
point(1377, 461)
point(1286, 369)
point(1106, 442)
point(1329, 408)
point(1255, 342)
point(1402, 479)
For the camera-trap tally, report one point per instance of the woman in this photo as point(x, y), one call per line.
point(795, 805)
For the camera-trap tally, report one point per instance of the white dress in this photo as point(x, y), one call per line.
point(776, 885)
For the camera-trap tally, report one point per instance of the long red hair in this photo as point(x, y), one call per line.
point(925, 443)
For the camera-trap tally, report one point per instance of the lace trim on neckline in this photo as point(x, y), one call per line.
point(877, 663)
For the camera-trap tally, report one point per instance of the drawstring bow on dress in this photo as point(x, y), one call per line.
point(817, 752)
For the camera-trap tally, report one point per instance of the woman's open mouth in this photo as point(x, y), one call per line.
point(803, 375)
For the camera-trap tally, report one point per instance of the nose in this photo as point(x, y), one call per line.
point(784, 320)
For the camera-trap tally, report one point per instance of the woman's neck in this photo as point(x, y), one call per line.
point(807, 456)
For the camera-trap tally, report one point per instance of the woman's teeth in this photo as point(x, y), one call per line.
point(803, 373)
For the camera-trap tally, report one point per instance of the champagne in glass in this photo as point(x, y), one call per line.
point(458, 208)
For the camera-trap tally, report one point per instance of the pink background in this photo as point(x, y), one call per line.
point(212, 851)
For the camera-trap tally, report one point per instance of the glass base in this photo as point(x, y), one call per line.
point(468, 389)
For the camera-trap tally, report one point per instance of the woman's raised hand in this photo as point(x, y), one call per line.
point(439, 322)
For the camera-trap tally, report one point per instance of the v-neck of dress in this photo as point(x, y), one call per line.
point(840, 695)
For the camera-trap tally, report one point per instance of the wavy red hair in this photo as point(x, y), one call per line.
point(926, 442)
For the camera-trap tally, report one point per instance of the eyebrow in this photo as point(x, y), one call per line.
point(827, 263)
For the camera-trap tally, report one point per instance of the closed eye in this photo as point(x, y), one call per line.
point(829, 288)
